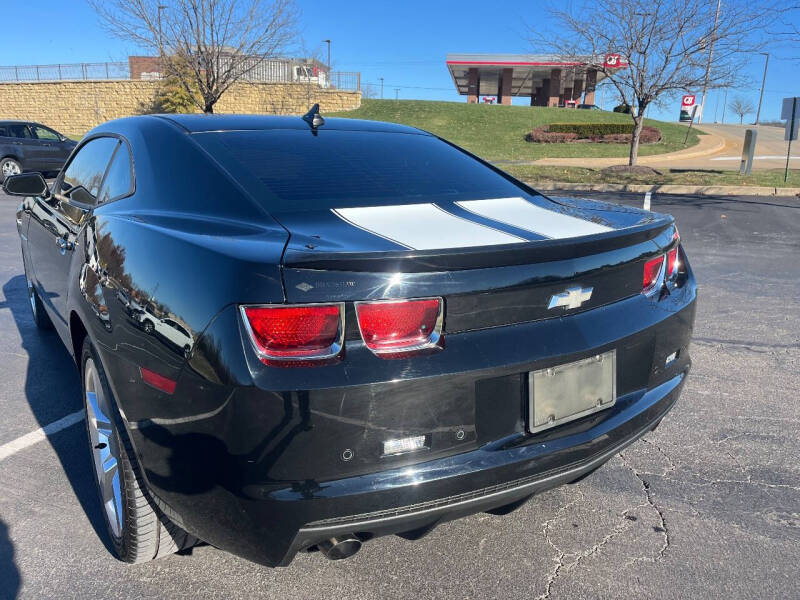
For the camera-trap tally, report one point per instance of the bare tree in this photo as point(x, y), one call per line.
point(207, 45)
point(741, 106)
point(368, 91)
point(670, 46)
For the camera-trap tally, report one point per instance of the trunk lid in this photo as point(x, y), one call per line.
point(496, 262)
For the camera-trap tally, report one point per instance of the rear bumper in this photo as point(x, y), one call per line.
point(261, 474)
point(546, 465)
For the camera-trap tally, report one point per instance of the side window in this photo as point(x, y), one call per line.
point(83, 176)
point(45, 134)
point(3, 130)
point(119, 179)
point(19, 130)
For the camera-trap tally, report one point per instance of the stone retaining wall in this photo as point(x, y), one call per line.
point(73, 107)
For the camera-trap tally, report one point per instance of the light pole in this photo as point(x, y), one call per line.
point(381, 78)
point(724, 105)
point(708, 64)
point(160, 42)
point(329, 55)
point(763, 81)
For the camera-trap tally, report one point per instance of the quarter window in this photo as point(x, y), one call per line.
point(118, 180)
point(83, 177)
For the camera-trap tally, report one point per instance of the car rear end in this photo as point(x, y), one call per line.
point(446, 344)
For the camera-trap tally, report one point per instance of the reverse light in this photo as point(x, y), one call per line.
point(394, 328)
point(295, 333)
point(672, 256)
point(652, 274)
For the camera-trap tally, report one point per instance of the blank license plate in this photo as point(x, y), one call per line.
point(567, 392)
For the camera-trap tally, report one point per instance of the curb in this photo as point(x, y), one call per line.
point(692, 190)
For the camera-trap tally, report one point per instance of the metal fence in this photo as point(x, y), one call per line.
point(67, 72)
point(275, 71)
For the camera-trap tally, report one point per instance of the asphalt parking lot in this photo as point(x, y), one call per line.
point(708, 505)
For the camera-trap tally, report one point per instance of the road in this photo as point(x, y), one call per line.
point(708, 505)
point(770, 152)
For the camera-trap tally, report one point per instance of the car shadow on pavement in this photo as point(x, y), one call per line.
point(9, 574)
point(53, 390)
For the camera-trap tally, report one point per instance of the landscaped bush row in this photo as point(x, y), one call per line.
point(545, 135)
point(587, 130)
point(542, 136)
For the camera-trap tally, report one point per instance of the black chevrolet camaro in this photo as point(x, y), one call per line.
point(299, 335)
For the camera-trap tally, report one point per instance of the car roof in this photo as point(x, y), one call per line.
point(205, 123)
point(21, 122)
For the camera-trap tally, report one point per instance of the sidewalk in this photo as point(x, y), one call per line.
point(710, 144)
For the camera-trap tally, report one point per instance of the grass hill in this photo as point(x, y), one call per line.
point(497, 133)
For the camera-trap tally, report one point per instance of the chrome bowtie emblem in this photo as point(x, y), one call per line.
point(571, 298)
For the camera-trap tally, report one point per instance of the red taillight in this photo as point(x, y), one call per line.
point(295, 333)
point(672, 256)
point(395, 327)
point(652, 273)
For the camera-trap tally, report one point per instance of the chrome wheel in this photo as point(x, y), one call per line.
point(31, 296)
point(10, 167)
point(104, 446)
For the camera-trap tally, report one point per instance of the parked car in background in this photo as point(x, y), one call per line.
point(589, 107)
point(356, 329)
point(30, 146)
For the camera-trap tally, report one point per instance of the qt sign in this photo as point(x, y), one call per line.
point(687, 102)
point(612, 61)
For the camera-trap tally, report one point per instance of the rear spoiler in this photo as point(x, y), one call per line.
point(420, 261)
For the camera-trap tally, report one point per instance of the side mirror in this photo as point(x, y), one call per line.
point(26, 184)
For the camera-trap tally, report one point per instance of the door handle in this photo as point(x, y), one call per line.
point(65, 245)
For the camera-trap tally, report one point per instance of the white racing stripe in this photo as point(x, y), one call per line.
point(520, 213)
point(423, 227)
point(29, 439)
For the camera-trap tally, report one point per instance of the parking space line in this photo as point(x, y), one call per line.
point(29, 439)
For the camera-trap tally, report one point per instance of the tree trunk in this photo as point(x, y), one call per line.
point(638, 121)
point(209, 108)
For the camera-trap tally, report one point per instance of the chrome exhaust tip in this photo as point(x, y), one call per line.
point(340, 547)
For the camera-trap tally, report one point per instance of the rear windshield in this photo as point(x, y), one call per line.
point(297, 170)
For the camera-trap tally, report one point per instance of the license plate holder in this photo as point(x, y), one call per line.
point(566, 392)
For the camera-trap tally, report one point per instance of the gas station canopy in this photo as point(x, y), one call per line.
point(547, 79)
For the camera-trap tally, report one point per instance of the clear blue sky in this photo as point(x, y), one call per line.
point(403, 42)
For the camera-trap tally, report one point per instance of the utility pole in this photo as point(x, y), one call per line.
point(329, 55)
point(708, 64)
point(396, 93)
point(763, 81)
point(381, 78)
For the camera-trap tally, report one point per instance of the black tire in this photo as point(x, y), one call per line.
point(40, 316)
point(148, 327)
point(5, 164)
point(145, 532)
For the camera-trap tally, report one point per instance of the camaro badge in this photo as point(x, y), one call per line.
point(571, 298)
